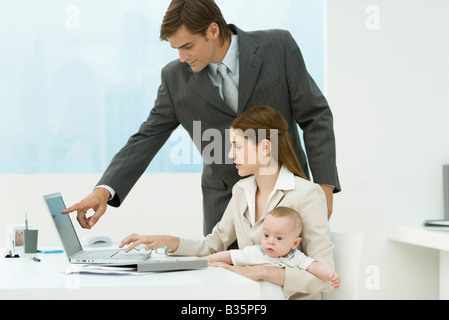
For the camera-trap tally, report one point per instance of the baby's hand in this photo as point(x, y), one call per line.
point(335, 280)
point(208, 258)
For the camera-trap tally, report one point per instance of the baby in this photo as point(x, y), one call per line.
point(281, 230)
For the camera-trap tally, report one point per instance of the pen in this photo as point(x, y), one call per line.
point(26, 221)
point(13, 247)
point(50, 251)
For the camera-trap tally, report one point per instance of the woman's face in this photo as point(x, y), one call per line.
point(244, 153)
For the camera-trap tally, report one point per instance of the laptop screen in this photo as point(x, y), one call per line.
point(63, 224)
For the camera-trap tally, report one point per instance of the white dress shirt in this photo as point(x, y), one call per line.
point(231, 60)
point(284, 182)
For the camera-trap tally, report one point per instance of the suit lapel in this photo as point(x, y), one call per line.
point(271, 205)
point(250, 65)
point(249, 70)
point(243, 207)
point(201, 83)
point(274, 201)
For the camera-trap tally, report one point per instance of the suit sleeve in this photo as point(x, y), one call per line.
point(133, 159)
point(313, 115)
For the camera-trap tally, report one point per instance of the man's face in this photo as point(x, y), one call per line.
point(195, 49)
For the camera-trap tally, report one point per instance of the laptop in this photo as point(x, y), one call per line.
point(72, 245)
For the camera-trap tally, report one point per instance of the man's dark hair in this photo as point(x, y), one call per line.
point(196, 16)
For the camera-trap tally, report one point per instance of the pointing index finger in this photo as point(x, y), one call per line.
point(71, 209)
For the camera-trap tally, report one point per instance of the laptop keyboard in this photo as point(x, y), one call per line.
point(97, 254)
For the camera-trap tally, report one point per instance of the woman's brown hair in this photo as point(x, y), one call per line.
point(267, 120)
point(196, 16)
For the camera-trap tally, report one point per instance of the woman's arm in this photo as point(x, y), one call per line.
point(150, 242)
point(222, 235)
point(271, 274)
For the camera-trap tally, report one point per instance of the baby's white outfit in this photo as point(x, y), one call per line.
point(254, 255)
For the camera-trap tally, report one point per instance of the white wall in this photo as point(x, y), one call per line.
point(387, 81)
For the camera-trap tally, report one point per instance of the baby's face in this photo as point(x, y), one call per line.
point(279, 236)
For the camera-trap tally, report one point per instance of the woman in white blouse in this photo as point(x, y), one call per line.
point(261, 149)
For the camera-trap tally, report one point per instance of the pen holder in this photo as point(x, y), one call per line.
point(30, 241)
point(8, 254)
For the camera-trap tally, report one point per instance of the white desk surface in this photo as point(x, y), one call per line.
point(23, 278)
point(431, 238)
point(420, 236)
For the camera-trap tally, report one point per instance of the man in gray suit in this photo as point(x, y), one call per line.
point(263, 68)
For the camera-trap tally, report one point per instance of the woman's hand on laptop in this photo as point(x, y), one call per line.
point(96, 200)
point(150, 242)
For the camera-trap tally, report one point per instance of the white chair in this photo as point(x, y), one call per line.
point(347, 257)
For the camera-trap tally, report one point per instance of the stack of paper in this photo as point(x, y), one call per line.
point(97, 269)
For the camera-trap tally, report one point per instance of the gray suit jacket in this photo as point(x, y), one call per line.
point(272, 72)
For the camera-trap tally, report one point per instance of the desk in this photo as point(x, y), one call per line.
point(23, 278)
point(431, 239)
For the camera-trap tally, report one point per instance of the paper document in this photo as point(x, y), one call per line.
point(94, 269)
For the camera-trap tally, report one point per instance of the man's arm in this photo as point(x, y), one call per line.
point(131, 161)
point(313, 115)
